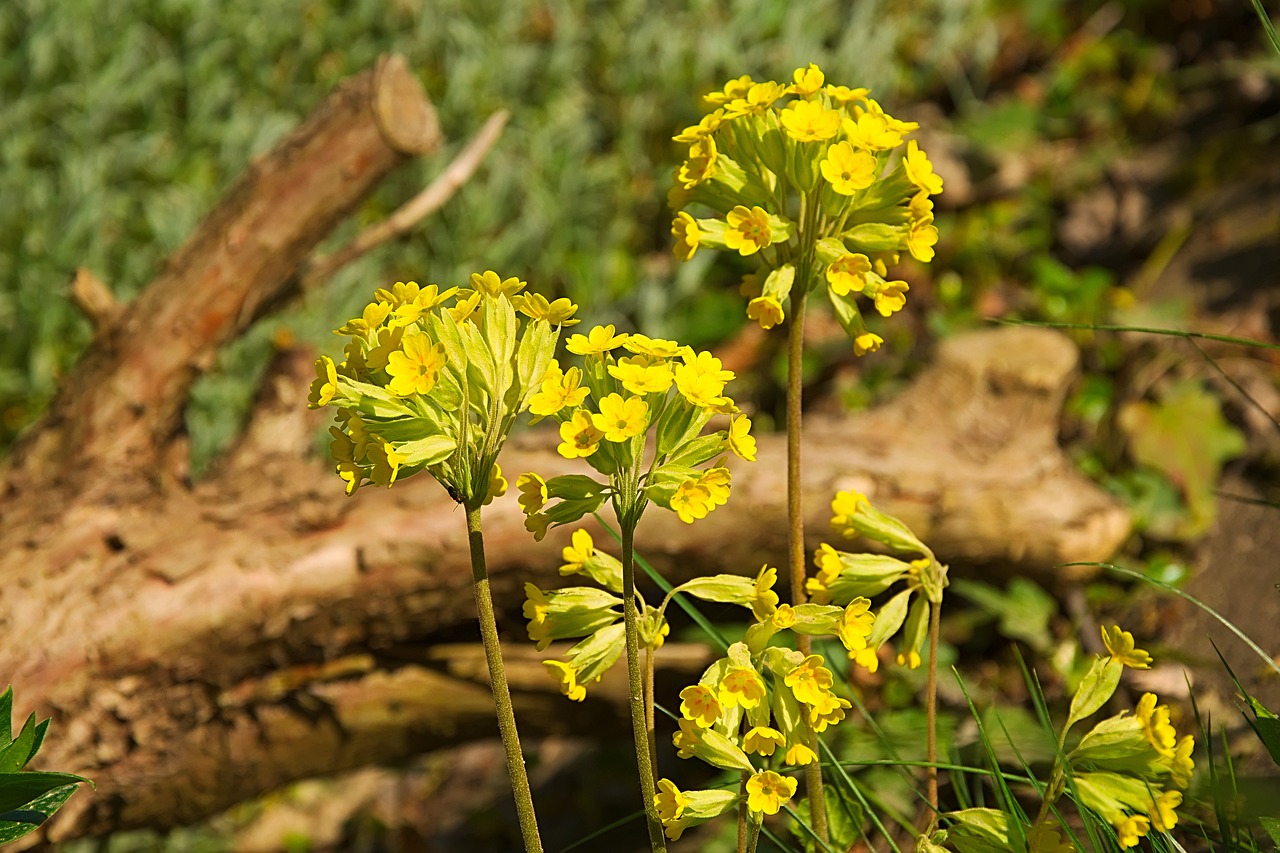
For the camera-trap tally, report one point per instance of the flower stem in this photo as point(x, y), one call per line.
point(639, 728)
point(931, 704)
point(795, 521)
point(498, 681)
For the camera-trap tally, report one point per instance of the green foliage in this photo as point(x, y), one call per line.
point(27, 797)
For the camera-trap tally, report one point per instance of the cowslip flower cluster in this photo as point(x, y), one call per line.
point(758, 708)
point(434, 379)
point(843, 577)
point(815, 180)
point(587, 612)
point(631, 388)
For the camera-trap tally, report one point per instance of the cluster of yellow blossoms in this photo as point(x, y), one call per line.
point(799, 176)
point(607, 409)
point(431, 385)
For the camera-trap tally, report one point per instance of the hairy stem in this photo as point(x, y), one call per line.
point(931, 702)
point(639, 727)
point(501, 692)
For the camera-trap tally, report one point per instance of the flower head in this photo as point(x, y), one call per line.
point(741, 686)
point(1120, 645)
point(568, 678)
point(809, 121)
point(533, 492)
point(762, 740)
point(620, 420)
point(768, 792)
point(766, 311)
point(920, 170)
point(685, 229)
point(579, 436)
point(700, 704)
point(598, 341)
point(748, 230)
point(847, 169)
point(415, 367)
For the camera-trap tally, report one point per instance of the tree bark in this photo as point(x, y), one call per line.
point(197, 645)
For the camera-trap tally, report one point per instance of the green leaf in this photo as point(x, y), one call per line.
point(6, 716)
point(15, 756)
point(1184, 437)
point(1272, 826)
point(1098, 685)
point(18, 822)
point(21, 789)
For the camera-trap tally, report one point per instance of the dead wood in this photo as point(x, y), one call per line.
point(199, 645)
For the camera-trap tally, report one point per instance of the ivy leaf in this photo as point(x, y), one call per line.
point(1185, 438)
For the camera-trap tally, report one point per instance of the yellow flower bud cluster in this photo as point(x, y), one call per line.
point(433, 379)
point(776, 170)
point(610, 407)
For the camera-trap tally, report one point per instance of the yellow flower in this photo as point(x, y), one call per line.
point(741, 686)
point(866, 342)
point(640, 376)
point(810, 680)
point(891, 297)
point(740, 440)
point(580, 437)
point(848, 170)
point(872, 132)
point(699, 704)
point(920, 205)
point(535, 305)
point(809, 121)
point(670, 801)
point(845, 95)
point(762, 740)
point(537, 524)
point(654, 348)
point(497, 485)
point(559, 390)
point(621, 419)
point(783, 618)
point(828, 712)
point(848, 274)
point(921, 238)
point(766, 311)
point(798, 755)
point(1120, 645)
point(415, 367)
point(577, 553)
point(1130, 829)
point(385, 463)
point(688, 737)
point(920, 170)
point(808, 80)
point(1161, 810)
point(768, 792)
point(598, 341)
point(733, 90)
point(867, 658)
point(1180, 763)
point(352, 474)
point(685, 229)
point(374, 315)
point(700, 165)
point(533, 492)
point(701, 379)
point(748, 230)
point(911, 660)
point(764, 601)
point(490, 285)
point(855, 625)
point(535, 610)
point(759, 97)
point(325, 384)
point(568, 678)
point(704, 128)
point(716, 481)
point(1159, 732)
point(692, 501)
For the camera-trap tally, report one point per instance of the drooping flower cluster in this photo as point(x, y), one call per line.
point(429, 385)
point(843, 577)
point(588, 612)
point(607, 410)
point(759, 707)
point(815, 180)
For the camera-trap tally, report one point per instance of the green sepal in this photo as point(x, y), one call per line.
point(576, 487)
point(371, 400)
point(865, 575)
point(916, 626)
point(680, 423)
point(533, 357)
point(816, 620)
point(1096, 689)
point(499, 327)
point(593, 657)
point(874, 237)
point(889, 619)
point(696, 451)
point(726, 589)
point(778, 285)
point(847, 313)
point(804, 160)
point(1118, 738)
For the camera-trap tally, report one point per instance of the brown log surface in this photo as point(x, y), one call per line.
point(199, 645)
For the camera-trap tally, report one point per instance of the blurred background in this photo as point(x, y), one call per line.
point(1105, 163)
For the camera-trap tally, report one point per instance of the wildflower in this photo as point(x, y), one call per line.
point(685, 229)
point(809, 121)
point(533, 492)
point(909, 659)
point(1180, 763)
point(872, 132)
point(716, 481)
point(848, 274)
point(784, 617)
point(868, 658)
point(856, 623)
point(766, 311)
point(559, 390)
point(759, 97)
point(692, 501)
point(1161, 811)
point(768, 792)
point(568, 678)
point(619, 419)
point(598, 341)
point(740, 440)
point(891, 297)
point(762, 740)
point(848, 170)
point(1121, 647)
point(654, 348)
point(535, 305)
point(845, 95)
point(1130, 828)
point(670, 801)
point(536, 607)
point(385, 463)
point(828, 712)
point(741, 686)
point(415, 367)
point(920, 170)
point(808, 80)
point(866, 342)
point(374, 315)
point(686, 738)
point(325, 385)
point(733, 90)
point(497, 485)
point(922, 236)
point(490, 285)
point(581, 549)
point(537, 524)
point(700, 165)
point(748, 230)
point(810, 680)
point(580, 437)
point(639, 376)
point(1155, 724)
point(765, 601)
point(798, 755)
point(701, 379)
point(700, 704)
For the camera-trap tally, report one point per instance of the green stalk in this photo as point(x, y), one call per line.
point(639, 728)
point(931, 704)
point(498, 681)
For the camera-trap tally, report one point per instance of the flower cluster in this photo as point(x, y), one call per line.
point(844, 577)
point(813, 179)
point(608, 408)
point(426, 384)
point(584, 611)
point(760, 699)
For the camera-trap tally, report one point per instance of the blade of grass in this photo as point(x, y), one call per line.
point(1147, 330)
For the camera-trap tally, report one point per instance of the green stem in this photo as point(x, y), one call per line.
point(755, 833)
point(931, 704)
point(639, 729)
point(501, 692)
